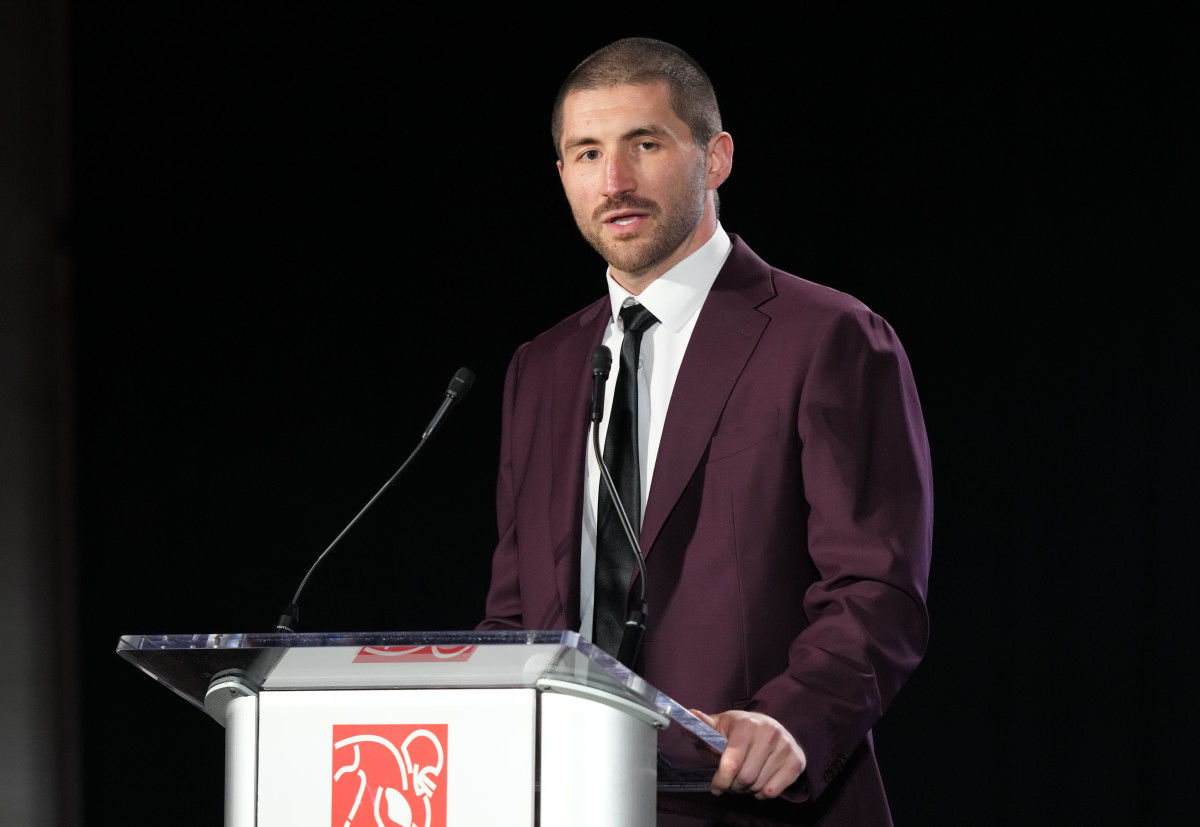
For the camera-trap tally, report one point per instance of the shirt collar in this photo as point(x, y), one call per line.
point(677, 295)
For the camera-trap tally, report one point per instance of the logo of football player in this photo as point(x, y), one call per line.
point(389, 775)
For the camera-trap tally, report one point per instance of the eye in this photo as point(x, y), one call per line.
point(589, 155)
point(647, 146)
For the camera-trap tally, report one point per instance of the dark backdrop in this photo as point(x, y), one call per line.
point(292, 223)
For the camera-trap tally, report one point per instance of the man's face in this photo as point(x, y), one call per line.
point(635, 180)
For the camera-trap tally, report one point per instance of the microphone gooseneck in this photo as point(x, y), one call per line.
point(635, 622)
point(459, 385)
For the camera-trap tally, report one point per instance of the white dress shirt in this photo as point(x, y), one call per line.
point(675, 299)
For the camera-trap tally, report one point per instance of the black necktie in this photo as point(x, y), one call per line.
point(614, 558)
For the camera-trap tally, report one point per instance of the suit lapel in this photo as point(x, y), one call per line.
point(569, 431)
point(726, 334)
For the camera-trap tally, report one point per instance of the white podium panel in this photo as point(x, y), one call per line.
point(460, 757)
point(599, 749)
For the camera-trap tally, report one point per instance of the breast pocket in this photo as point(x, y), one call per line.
point(738, 436)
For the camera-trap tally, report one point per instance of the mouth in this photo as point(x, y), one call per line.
point(625, 221)
point(625, 213)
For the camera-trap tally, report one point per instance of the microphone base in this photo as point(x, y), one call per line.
point(288, 620)
point(631, 640)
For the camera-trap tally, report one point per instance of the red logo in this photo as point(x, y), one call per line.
point(413, 654)
point(389, 774)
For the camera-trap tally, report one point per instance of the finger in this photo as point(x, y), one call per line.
point(742, 761)
point(776, 782)
point(759, 755)
point(728, 767)
point(750, 777)
point(702, 746)
point(761, 758)
point(781, 768)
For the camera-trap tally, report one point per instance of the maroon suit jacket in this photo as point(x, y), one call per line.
point(788, 526)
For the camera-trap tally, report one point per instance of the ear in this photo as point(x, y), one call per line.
point(560, 169)
point(719, 158)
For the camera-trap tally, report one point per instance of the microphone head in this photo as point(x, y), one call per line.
point(463, 379)
point(601, 361)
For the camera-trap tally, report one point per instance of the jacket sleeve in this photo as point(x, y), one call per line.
point(503, 607)
point(867, 482)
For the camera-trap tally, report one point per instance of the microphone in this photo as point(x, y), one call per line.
point(459, 385)
point(601, 364)
point(635, 623)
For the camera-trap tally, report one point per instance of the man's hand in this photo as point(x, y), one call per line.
point(761, 757)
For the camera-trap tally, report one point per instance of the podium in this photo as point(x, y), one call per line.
point(429, 729)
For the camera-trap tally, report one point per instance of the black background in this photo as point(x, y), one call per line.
point(293, 222)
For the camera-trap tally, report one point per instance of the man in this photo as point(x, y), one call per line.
point(784, 470)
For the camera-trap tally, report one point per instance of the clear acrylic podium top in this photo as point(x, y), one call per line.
point(189, 664)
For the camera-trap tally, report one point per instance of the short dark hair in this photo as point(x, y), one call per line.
point(641, 60)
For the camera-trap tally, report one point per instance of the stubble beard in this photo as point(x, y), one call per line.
point(639, 252)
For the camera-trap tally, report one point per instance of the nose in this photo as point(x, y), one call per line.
point(618, 175)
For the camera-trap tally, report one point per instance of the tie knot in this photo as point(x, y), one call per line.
point(636, 318)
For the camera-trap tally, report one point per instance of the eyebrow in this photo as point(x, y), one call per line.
point(648, 130)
